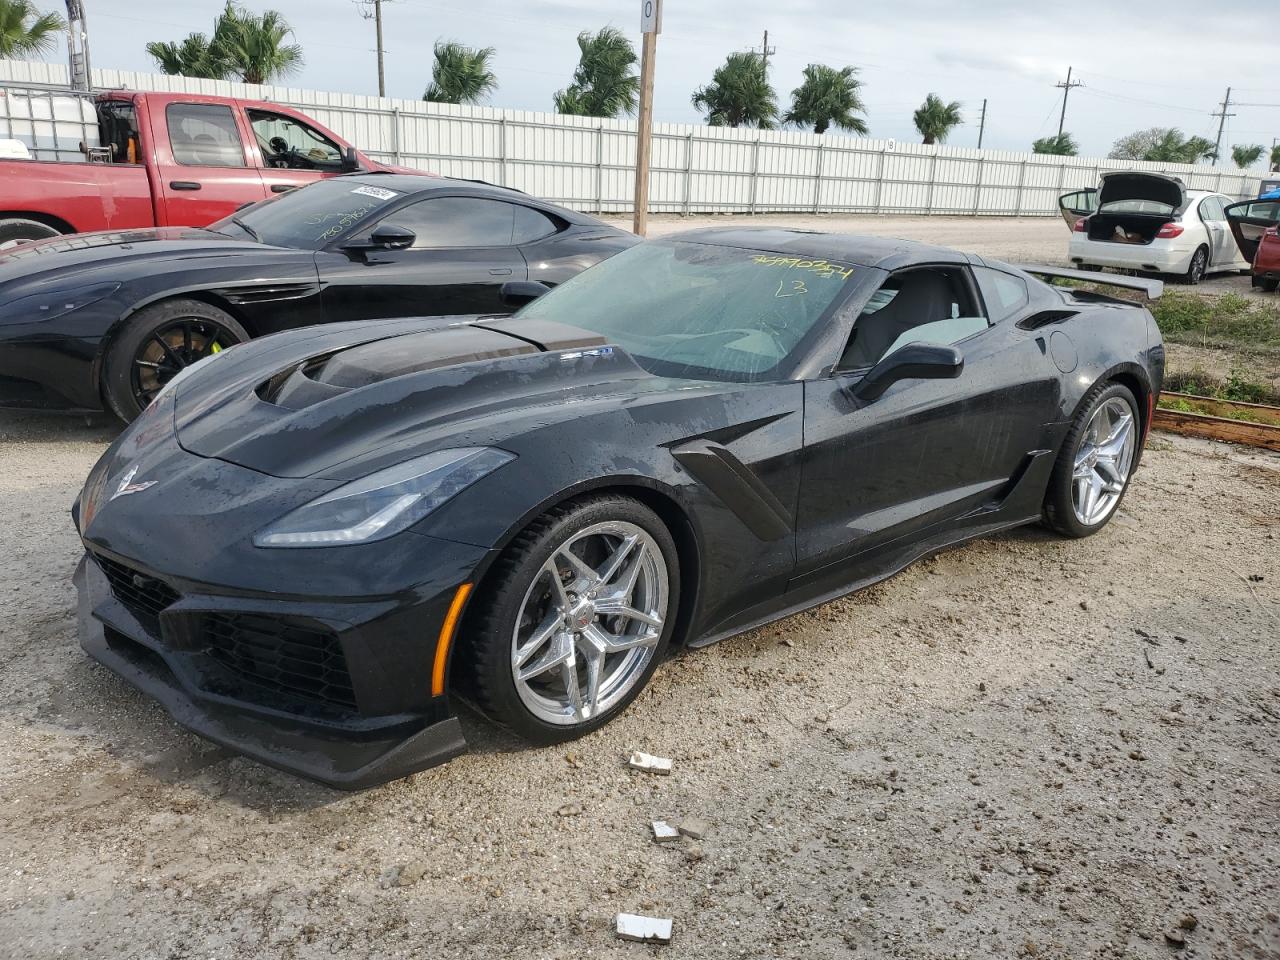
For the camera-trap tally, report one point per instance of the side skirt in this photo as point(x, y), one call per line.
point(812, 595)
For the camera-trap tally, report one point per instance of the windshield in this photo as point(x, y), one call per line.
point(695, 310)
point(312, 216)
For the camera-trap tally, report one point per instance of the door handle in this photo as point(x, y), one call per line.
point(183, 185)
point(500, 272)
point(283, 187)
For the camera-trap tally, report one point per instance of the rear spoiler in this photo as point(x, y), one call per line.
point(1154, 289)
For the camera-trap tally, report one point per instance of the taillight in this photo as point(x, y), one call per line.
point(1081, 225)
point(1169, 231)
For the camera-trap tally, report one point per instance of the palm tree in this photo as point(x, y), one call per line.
point(25, 32)
point(739, 94)
point(604, 84)
point(195, 56)
point(934, 119)
point(1246, 155)
point(461, 74)
point(828, 96)
point(1061, 145)
point(1275, 157)
point(1196, 149)
point(254, 46)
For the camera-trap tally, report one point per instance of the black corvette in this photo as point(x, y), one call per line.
point(104, 320)
point(305, 545)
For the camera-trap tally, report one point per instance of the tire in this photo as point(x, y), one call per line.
point(138, 364)
point(18, 230)
point(1091, 267)
point(519, 603)
point(1269, 284)
point(1063, 508)
point(1198, 267)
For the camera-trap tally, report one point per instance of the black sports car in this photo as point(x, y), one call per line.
point(306, 544)
point(103, 320)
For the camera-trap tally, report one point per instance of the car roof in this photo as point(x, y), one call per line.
point(887, 253)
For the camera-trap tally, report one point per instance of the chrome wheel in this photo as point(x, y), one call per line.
point(589, 623)
point(1103, 461)
point(1199, 264)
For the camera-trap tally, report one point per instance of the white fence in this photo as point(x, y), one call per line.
point(587, 163)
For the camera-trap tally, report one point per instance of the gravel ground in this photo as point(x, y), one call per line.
point(1023, 747)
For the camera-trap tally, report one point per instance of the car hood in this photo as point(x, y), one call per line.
point(340, 401)
point(58, 258)
point(1132, 185)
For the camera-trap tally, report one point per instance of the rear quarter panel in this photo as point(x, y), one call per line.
point(82, 196)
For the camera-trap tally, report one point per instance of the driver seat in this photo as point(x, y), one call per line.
point(924, 296)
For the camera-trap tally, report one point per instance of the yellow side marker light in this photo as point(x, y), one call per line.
point(445, 641)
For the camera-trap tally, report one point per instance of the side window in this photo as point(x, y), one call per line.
point(290, 144)
point(1003, 293)
point(118, 131)
point(1211, 209)
point(457, 222)
point(204, 135)
point(920, 305)
point(532, 225)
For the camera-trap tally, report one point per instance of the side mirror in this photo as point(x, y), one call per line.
point(385, 236)
point(912, 361)
point(350, 160)
point(516, 293)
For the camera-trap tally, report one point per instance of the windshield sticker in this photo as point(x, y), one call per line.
point(822, 268)
point(377, 192)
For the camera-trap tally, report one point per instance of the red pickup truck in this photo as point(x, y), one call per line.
point(170, 159)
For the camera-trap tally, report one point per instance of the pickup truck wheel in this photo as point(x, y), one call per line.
point(156, 343)
point(16, 230)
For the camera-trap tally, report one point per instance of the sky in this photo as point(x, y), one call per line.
point(1139, 69)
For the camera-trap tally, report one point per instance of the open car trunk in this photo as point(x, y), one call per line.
point(1139, 228)
point(1133, 206)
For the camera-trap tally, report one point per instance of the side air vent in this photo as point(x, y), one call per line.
point(267, 293)
point(1046, 317)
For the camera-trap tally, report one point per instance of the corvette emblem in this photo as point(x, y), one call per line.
point(127, 486)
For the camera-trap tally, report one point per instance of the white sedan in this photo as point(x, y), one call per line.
point(1153, 223)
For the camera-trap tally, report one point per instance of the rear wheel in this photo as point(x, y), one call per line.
point(1269, 284)
point(158, 342)
point(1199, 264)
point(1093, 468)
point(580, 612)
point(18, 230)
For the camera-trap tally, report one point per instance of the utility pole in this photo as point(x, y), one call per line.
point(1222, 122)
point(766, 52)
point(650, 26)
point(982, 124)
point(376, 17)
point(78, 46)
point(1066, 89)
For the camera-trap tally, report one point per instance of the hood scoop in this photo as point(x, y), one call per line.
point(330, 375)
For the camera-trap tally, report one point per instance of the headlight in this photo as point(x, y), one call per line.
point(383, 503)
point(46, 306)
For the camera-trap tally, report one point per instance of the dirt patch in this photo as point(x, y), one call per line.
point(1024, 747)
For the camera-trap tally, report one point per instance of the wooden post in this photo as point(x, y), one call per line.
point(650, 24)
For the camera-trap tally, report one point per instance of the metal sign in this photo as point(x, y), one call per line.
point(650, 16)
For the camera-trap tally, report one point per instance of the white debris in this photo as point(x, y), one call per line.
point(643, 761)
point(644, 929)
point(664, 832)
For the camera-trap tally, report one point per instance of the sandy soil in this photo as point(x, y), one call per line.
point(1023, 747)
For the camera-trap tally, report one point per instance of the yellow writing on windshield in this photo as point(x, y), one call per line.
point(822, 268)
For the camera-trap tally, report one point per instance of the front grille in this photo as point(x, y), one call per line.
point(279, 656)
point(141, 595)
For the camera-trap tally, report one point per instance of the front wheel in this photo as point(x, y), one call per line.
point(156, 344)
point(1097, 459)
point(580, 611)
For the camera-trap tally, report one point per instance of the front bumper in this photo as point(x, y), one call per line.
point(354, 715)
point(39, 371)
